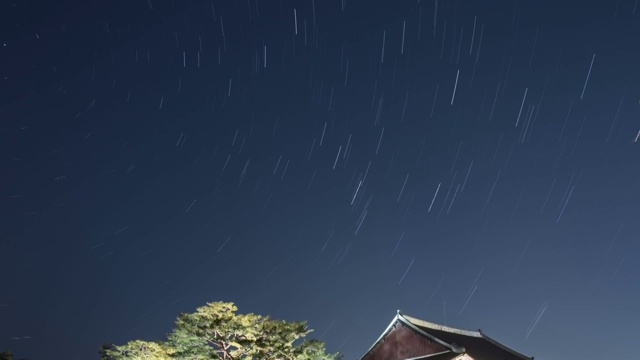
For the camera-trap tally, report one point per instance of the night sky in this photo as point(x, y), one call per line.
point(471, 163)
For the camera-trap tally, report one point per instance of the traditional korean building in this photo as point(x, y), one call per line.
point(408, 338)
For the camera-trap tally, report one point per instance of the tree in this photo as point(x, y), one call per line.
point(216, 331)
point(6, 355)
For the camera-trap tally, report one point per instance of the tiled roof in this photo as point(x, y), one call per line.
point(476, 343)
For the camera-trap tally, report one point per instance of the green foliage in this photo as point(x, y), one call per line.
point(6, 355)
point(216, 331)
point(138, 349)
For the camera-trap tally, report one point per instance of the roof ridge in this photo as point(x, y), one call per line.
point(434, 326)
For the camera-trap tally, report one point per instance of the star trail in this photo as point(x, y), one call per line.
point(472, 163)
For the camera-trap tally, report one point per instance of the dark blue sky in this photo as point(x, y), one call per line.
point(471, 163)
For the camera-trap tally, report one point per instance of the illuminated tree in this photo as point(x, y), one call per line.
point(216, 331)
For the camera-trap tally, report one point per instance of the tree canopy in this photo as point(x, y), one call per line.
point(217, 331)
